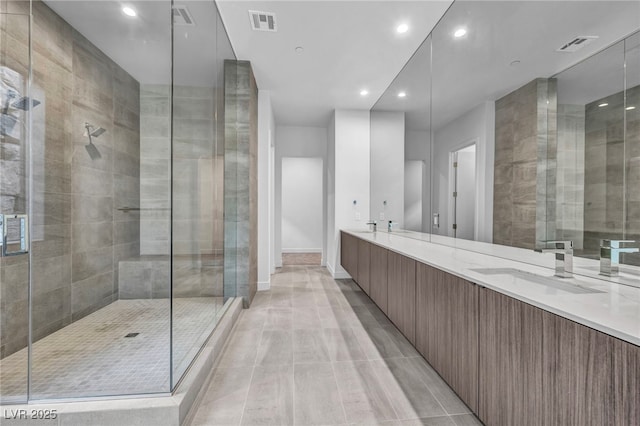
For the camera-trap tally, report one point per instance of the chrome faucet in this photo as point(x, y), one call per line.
point(375, 225)
point(610, 255)
point(564, 257)
point(390, 225)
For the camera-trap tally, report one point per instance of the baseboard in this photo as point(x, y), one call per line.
point(301, 250)
point(264, 285)
point(341, 275)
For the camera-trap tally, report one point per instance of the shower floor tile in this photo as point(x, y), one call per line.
point(93, 356)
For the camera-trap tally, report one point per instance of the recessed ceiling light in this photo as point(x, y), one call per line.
point(402, 95)
point(460, 32)
point(402, 28)
point(299, 49)
point(364, 92)
point(629, 108)
point(129, 11)
point(604, 104)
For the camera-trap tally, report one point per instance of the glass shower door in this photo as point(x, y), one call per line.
point(15, 66)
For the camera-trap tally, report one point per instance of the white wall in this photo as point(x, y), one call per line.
point(302, 210)
point(387, 167)
point(300, 142)
point(418, 148)
point(348, 178)
point(413, 179)
point(266, 129)
point(476, 125)
point(331, 195)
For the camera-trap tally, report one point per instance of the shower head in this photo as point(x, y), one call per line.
point(92, 131)
point(97, 132)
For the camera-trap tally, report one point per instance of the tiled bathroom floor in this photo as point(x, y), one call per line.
point(317, 351)
point(92, 357)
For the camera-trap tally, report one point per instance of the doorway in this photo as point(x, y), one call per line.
point(462, 184)
point(302, 213)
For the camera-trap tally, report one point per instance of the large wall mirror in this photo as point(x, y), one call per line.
point(493, 132)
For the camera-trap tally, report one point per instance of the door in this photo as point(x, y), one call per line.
point(462, 184)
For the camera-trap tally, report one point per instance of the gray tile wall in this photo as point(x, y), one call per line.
point(79, 235)
point(14, 271)
point(198, 169)
point(155, 183)
point(570, 174)
point(240, 181)
point(609, 189)
point(524, 165)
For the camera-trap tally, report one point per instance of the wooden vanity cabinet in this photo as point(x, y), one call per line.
point(510, 361)
point(349, 254)
point(537, 368)
point(364, 266)
point(401, 294)
point(578, 378)
point(378, 277)
point(447, 329)
point(626, 383)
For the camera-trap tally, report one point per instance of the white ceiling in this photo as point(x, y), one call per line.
point(348, 46)
point(142, 45)
point(475, 68)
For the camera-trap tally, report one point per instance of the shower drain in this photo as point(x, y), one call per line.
point(132, 335)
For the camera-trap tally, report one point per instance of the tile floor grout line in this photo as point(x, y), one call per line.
point(253, 371)
point(386, 392)
point(344, 410)
point(436, 398)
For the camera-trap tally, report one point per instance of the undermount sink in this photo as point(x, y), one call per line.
point(363, 232)
point(569, 285)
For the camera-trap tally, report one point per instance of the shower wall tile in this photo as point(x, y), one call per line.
point(51, 273)
point(88, 208)
point(612, 172)
point(89, 263)
point(523, 146)
point(85, 180)
point(75, 194)
point(88, 236)
point(127, 141)
point(48, 308)
point(240, 180)
point(89, 295)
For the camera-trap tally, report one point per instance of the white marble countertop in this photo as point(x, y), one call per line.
point(605, 306)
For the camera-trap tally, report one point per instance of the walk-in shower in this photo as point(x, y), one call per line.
point(121, 283)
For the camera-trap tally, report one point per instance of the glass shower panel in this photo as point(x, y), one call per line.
point(632, 147)
point(197, 178)
point(15, 112)
point(590, 152)
point(100, 321)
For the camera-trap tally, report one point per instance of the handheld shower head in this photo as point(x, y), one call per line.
point(92, 131)
point(97, 132)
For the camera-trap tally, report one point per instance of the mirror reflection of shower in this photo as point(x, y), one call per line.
point(93, 132)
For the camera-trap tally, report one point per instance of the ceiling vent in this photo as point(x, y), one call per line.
point(263, 21)
point(181, 16)
point(577, 44)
